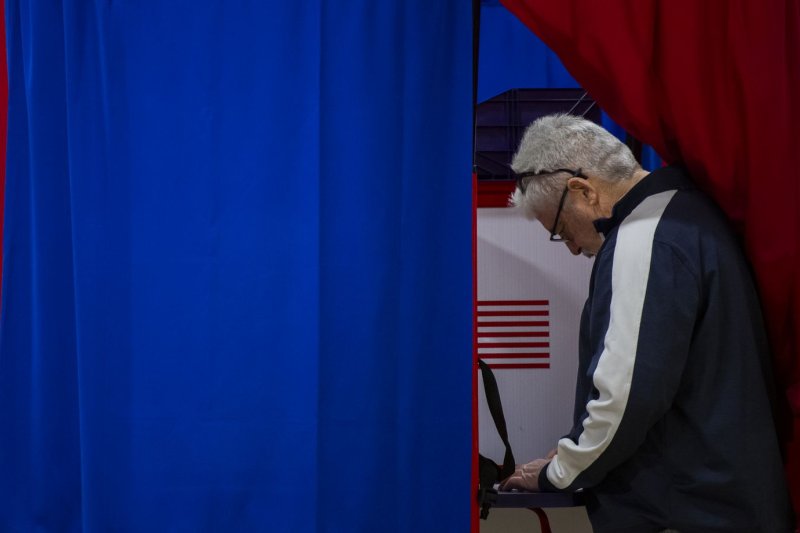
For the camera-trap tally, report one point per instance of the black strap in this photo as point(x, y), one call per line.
point(496, 409)
point(489, 472)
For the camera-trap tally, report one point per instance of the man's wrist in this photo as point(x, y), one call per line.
point(544, 483)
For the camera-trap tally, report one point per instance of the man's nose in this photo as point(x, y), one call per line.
point(573, 248)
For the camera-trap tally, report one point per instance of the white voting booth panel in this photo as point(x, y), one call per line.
point(523, 277)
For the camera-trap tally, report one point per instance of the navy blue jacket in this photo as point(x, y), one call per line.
point(672, 425)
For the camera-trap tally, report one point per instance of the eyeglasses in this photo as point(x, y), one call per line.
point(522, 184)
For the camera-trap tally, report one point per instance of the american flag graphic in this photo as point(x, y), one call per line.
point(514, 333)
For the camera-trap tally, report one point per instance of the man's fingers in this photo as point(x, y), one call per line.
point(525, 477)
point(517, 474)
point(525, 481)
point(513, 482)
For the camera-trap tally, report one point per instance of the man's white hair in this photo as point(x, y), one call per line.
point(568, 142)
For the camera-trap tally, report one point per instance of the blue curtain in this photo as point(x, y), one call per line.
point(512, 57)
point(237, 267)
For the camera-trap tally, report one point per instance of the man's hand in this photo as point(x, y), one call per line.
point(525, 477)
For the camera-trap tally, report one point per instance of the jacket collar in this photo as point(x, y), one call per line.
point(663, 179)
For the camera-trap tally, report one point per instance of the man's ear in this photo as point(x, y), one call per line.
point(585, 188)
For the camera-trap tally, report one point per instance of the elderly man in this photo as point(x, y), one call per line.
point(672, 425)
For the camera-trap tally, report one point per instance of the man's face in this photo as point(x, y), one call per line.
point(575, 222)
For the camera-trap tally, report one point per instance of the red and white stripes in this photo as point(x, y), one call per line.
point(514, 334)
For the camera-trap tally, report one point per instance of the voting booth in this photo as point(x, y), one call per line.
point(530, 295)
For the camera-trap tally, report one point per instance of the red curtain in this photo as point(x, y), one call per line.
point(712, 84)
point(3, 128)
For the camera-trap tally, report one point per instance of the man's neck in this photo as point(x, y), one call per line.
point(619, 189)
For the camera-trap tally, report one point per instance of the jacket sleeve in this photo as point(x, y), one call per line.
point(646, 300)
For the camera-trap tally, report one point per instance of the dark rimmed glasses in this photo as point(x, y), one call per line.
point(522, 184)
